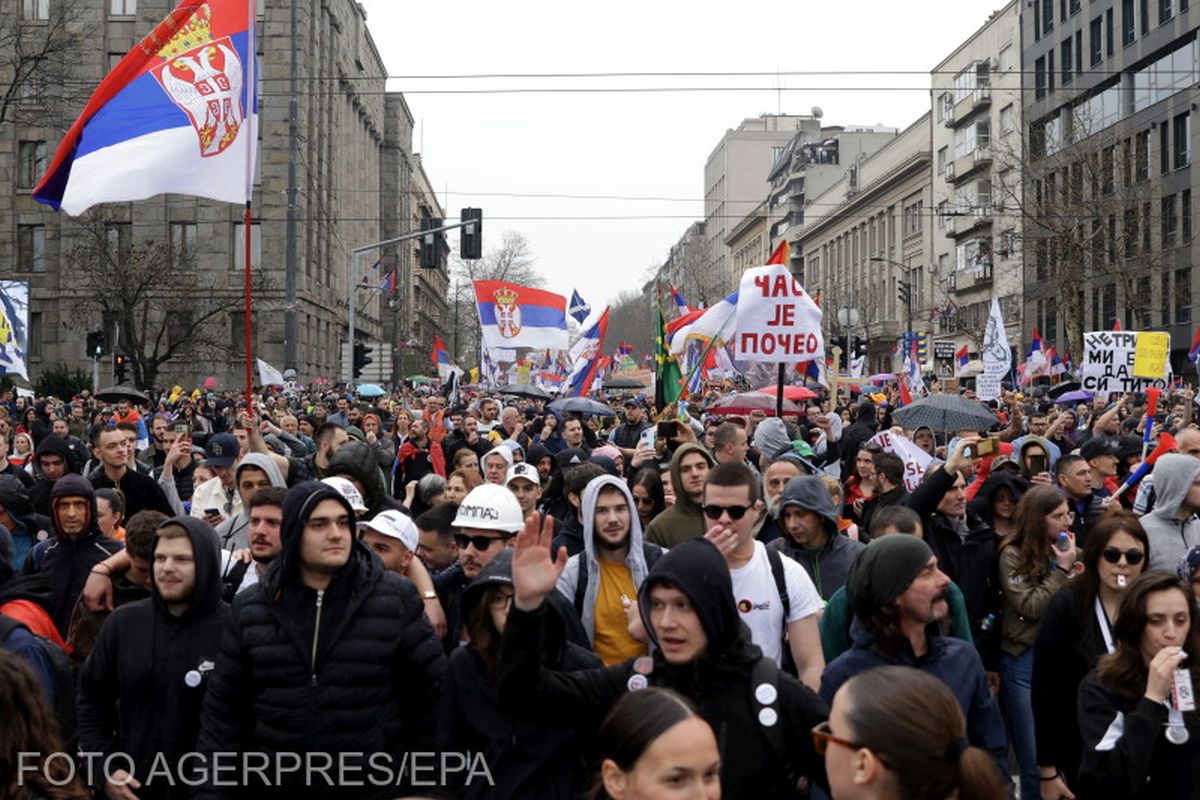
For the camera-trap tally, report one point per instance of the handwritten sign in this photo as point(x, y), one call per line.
point(777, 321)
point(1150, 355)
point(916, 460)
point(1109, 362)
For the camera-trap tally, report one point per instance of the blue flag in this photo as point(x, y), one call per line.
point(579, 308)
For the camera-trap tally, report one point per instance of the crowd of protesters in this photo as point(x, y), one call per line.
point(647, 603)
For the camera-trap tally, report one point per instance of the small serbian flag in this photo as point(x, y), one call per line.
point(177, 114)
point(513, 316)
point(440, 354)
point(962, 358)
point(1194, 351)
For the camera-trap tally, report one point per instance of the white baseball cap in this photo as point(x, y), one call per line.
point(395, 524)
point(523, 470)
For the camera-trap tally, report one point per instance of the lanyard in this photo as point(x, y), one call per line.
point(1105, 631)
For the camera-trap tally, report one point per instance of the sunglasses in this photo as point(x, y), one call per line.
point(1132, 557)
point(822, 736)
point(478, 542)
point(735, 512)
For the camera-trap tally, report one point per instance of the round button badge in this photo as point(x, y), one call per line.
point(766, 694)
point(767, 717)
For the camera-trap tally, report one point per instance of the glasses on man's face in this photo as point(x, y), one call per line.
point(735, 512)
point(1132, 557)
point(478, 542)
point(822, 736)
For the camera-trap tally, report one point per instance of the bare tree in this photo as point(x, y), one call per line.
point(38, 39)
point(153, 294)
point(631, 321)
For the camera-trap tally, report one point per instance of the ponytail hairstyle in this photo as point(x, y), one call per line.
point(633, 725)
point(914, 724)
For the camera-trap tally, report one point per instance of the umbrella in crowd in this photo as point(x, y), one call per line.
point(115, 394)
point(582, 405)
point(946, 413)
point(791, 392)
point(749, 402)
point(1060, 389)
point(623, 383)
point(882, 377)
point(1077, 396)
point(370, 390)
point(524, 390)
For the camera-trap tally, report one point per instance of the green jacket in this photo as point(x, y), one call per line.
point(835, 622)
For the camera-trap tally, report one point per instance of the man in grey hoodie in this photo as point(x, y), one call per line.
point(255, 471)
point(808, 520)
point(610, 570)
point(1172, 526)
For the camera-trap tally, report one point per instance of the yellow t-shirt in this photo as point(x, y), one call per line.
point(612, 641)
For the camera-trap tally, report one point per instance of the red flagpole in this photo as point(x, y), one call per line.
point(251, 140)
point(249, 326)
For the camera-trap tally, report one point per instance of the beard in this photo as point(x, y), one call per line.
point(605, 544)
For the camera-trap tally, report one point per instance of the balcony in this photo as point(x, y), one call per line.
point(978, 99)
point(970, 220)
point(962, 168)
point(966, 280)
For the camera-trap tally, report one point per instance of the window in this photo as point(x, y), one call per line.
point(1182, 131)
point(1079, 52)
point(1185, 216)
point(1039, 78)
point(1164, 148)
point(1142, 156)
point(1171, 73)
point(183, 238)
point(1073, 6)
point(1108, 169)
point(1183, 296)
point(1130, 233)
point(1166, 294)
point(1006, 58)
point(32, 158)
point(1007, 119)
point(1096, 40)
point(33, 88)
point(239, 246)
point(1127, 163)
point(941, 160)
point(1067, 61)
point(237, 332)
point(1050, 71)
point(1145, 303)
point(1147, 226)
point(1112, 238)
point(1047, 16)
point(1145, 8)
point(1050, 330)
point(31, 248)
point(965, 83)
point(35, 9)
point(1110, 306)
point(1170, 222)
point(1108, 32)
point(1165, 12)
point(1037, 17)
point(1128, 26)
point(120, 238)
point(945, 106)
point(122, 8)
point(113, 60)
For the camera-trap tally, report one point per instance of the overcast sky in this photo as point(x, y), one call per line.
point(479, 149)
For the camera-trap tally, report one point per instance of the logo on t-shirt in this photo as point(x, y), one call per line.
point(745, 606)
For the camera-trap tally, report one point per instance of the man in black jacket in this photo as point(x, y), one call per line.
point(702, 650)
point(329, 654)
point(141, 688)
point(76, 546)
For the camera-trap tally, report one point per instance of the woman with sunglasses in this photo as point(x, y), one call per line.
point(1138, 742)
point(896, 733)
point(647, 489)
point(1036, 560)
point(525, 758)
point(1076, 630)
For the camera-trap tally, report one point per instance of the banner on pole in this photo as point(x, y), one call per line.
point(1110, 361)
point(916, 460)
point(777, 321)
point(14, 327)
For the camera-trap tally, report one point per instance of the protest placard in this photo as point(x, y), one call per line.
point(1150, 356)
point(777, 321)
point(1109, 362)
point(916, 460)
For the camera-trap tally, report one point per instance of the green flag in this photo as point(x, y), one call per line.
point(668, 379)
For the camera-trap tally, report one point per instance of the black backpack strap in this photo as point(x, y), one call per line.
point(233, 579)
point(776, 562)
point(581, 582)
point(764, 700)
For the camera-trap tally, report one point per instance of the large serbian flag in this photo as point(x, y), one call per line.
point(513, 316)
point(175, 115)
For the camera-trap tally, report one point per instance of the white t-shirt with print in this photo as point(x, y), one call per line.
point(758, 601)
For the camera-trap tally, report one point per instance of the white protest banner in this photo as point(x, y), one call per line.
point(997, 357)
point(777, 321)
point(916, 460)
point(268, 375)
point(1108, 359)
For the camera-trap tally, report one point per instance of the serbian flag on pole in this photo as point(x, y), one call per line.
point(513, 316)
point(961, 359)
point(586, 360)
point(177, 114)
point(1194, 350)
point(781, 254)
point(680, 305)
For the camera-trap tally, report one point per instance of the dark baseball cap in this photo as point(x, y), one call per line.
point(221, 450)
point(1098, 446)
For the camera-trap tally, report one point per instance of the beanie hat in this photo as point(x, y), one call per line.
point(884, 571)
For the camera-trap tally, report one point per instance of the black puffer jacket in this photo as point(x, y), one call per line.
point(133, 696)
point(356, 460)
point(371, 687)
point(722, 684)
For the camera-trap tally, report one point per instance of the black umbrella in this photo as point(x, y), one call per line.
point(582, 405)
point(525, 390)
point(115, 394)
point(1058, 390)
point(623, 383)
point(945, 413)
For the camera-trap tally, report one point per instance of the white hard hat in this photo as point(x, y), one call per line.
point(349, 491)
point(490, 507)
point(396, 525)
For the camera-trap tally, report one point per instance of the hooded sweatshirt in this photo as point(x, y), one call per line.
point(29, 528)
point(135, 695)
point(635, 559)
point(1171, 535)
point(720, 682)
point(39, 493)
point(826, 565)
point(354, 667)
point(684, 519)
point(234, 533)
point(66, 560)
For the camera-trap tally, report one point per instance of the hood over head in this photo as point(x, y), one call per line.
point(1173, 476)
point(536, 453)
point(206, 553)
point(264, 463)
point(697, 569)
point(72, 485)
point(565, 459)
point(55, 445)
point(591, 493)
point(681, 497)
point(298, 505)
point(810, 493)
point(1004, 478)
point(499, 450)
point(357, 460)
point(498, 572)
point(772, 437)
point(14, 497)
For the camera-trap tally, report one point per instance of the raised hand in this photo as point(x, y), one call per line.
point(535, 572)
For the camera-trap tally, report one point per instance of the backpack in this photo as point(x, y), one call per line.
point(231, 581)
point(651, 552)
point(776, 562)
point(64, 677)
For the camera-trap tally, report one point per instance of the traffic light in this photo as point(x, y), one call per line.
point(431, 243)
point(470, 240)
point(97, 344)
point(905, 291)
point(362, 357)
point(120, 363)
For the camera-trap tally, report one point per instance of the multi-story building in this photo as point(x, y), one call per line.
point(866, 235)
point(807, 166)
point(351, 164)
point(747, 241)
point(977, 191)
point(426, 311)
point(735, 181)
point(685, 266)
point(1109, 95)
